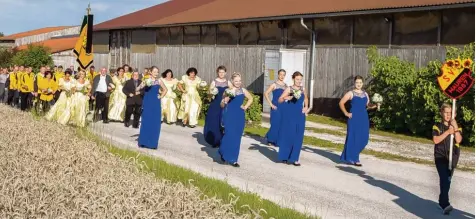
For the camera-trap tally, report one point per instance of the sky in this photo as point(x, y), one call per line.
point(23, 15)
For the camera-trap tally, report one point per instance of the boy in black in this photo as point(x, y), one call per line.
point(442, 132)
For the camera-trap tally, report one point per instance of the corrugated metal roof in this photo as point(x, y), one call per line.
point(145, 16)
point(226, 10)
point(56, 45)
point(33, 32)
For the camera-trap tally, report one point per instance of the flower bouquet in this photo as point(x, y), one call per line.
point(229, 93)
point(49, 91)
point(297, 94)
point(203, 84)
point(148, 82)
point(378, 99)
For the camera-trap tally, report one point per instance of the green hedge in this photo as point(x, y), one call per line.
point(412, 96)
point(252, 115)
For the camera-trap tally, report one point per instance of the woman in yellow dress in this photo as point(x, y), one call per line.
point(169, 103)
point(46, 89)
point(117, 101)
point(80, 100)
point(61, 111)
point(191, 102)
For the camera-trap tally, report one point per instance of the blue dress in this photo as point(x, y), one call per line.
point(212, 130)
point(275, 115)
point(357, 129)
point(151, 118)
point(291, 133)
point(234, 123)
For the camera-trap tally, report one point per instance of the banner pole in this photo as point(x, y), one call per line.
point(453, 112)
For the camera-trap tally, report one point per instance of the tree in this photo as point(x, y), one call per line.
point(34, 56)
point(6, 56)
point(1, 34)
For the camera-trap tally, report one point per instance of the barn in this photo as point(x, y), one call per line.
point(257, 37)
point(60, 40)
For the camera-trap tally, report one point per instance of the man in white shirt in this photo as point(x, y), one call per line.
point(100, 92)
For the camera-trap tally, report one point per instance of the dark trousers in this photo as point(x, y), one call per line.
point(26, 100)
point(133, 109)
point(102, 103)
point(445, 181)
point(56, 95)
point(12, 97)
point(91, 104)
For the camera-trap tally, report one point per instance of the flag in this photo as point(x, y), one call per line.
point(84, 47)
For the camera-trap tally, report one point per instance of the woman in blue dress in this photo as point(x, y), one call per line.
point(275, 115)
point(291, 133)
point(212, 130)
point(151, 113)
point(357, 124)
point(233, 120)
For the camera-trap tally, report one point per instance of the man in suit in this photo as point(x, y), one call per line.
point(134, 100)
point(101, 91)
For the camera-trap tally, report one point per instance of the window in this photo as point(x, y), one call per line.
point(249, 33)
point(457, 26)
point(163, 36)
point(270, 33)
point(415, 28)
point(227, 34)
point(176, 36)
point(208, 35)
point(371, 30)
point(143, 41)
point(101, 41)
point(333, 30)
point(297, 34)
point(191, 35)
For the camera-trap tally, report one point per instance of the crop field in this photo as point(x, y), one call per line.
point(46, 171)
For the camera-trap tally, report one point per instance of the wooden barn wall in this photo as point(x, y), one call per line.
point(101, 61)
point(65, 59)
point(120, 48)
point(335, 69)
point(247, 60)
point(47, 36)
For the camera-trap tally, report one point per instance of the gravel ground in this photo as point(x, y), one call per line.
point(322, 186)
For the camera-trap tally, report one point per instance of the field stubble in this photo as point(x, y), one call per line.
point(48, 172)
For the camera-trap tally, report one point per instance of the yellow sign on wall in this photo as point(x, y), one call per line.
point(271, 74)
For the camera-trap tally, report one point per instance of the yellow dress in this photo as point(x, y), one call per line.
point(191, 102)
point(61, 111)
point(169, 103)
point(80, 104)
point(117, 101)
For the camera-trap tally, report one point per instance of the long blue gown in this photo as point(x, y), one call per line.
point(275, 115)
point(212, 130)
point(357, 129)
point(151, 118)
point(291, 132)
point(234, 123)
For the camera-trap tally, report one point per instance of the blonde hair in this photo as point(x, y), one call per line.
point(82, 71)
point(235, 74)
point(444, 106)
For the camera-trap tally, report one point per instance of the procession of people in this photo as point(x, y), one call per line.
point(68, 97)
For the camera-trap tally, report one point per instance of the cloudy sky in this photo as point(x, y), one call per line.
point(23, 15)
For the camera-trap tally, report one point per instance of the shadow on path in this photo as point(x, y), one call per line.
point(211, 152)
point(323, 152)
point(415, 205)
point(268, 152)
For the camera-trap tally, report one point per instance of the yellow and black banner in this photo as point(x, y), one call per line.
point(84, 47)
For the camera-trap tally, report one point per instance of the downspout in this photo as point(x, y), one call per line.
point(311, 65)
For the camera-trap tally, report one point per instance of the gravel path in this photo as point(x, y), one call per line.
point(322, 186)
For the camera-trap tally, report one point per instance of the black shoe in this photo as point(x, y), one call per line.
point(296, 164)
point(105, 121)
point(216, 146)
point(235, 164)
point(126, 124)
point(357, 164)
point(192, 126)
point(285, 162)
point(447, 210)
point(135, 126)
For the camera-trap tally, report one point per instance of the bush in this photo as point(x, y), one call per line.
point(252, 115)
point(413, 97)
point(34, 56)
point(6, 56)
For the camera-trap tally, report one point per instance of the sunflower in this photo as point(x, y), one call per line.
point(467, 63)
point(450, 63)
point(458, 63)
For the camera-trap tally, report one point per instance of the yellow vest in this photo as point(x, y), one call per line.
point(58, 75)
point(13, 81)
point(44, 84)
point(19, 79)
point(27, 82)
point(128, 75)
point(90, 76)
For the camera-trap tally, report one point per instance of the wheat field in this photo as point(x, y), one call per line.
point(46, 171)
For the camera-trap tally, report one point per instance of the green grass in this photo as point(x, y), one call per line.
point(317, 142)
point(337, 133)
point(210, 187)
point(397, 136)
